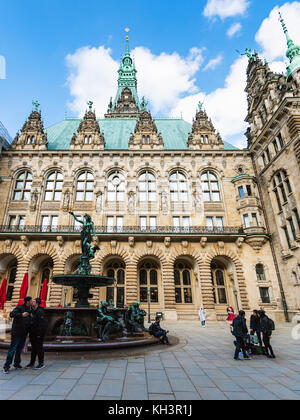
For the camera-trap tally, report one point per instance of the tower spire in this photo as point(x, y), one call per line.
point(127, 53)
point(293, 52)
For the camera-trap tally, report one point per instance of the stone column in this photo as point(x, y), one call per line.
point(131, 283)
point(22, 268)
point(168, 287)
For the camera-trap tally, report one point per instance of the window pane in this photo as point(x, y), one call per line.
point(109, 294)
point(143, 277)
point(176, 277)
point(186, 278)
point(153, 277)
point(264, 293)
point(222, 296)
point(206, 196)
point(154, 295)
point(216, 196)
point(143, 294)
point(220, 278)
point(57, 196)
point(121, 277)
point(26, 196)
point(188, 295)
point(178, 297)
point(120, 297)
point(89, 196)
point(90, 186)
point(79, 196)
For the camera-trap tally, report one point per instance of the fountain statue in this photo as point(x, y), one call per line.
point(83, 281)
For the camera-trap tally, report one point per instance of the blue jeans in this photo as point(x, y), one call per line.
point(16, 347)
point(203, 323)
point(163, 334)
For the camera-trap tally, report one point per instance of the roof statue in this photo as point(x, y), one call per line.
point(293, 52)
point(248, 52)
point(36, 105)
point(90, 105)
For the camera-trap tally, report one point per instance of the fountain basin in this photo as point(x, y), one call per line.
point(83, 283)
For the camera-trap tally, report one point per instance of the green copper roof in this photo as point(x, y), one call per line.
point(293, 52)
point(117, 133)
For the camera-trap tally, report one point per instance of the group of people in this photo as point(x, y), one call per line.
point(260, 325)
point(28, 319)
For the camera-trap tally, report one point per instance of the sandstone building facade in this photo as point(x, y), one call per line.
point(183, 219)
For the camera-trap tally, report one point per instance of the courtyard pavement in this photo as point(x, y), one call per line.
point(202, 367)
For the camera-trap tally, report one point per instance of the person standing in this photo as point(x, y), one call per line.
point(37, 331)
point(255, 327)
point(240, 331)
point(267, 326)
point(230, 318)
point(19, 331)
point(202, 316)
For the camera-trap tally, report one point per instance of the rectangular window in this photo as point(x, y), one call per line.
point(287, 237)
point(120, 224)
point(293, 230)
point(143, 223)
point(264, 294)
point(210, 223)
point(12, 221)
point(219, 222)
point(249, 190)
point(246, 220)
point(21, 221)
point(176, 224)
point(264, 159)
point(110, 224)
point(241, 192)
point(45, 223)
point(178, 296)
point(49, 223)
point(297, 217)
point(152, 223)
point(268, 154)
point(186, 224)
point(279, 137)
point(254, 219)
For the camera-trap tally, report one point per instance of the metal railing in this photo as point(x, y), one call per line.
point(202, 230)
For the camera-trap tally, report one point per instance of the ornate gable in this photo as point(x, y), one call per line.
point(32, 135)
point(88, 134)
point(125, 106)
point(204, 135)
point(145, 134)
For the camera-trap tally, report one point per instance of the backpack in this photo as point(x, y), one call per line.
point(151, 330)
point(271, 324)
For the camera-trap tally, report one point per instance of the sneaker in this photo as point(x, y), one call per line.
point(237, 358)
point(39, 367)
point(19, 367)
point(6, 370)
point(247, 358)
point(30, 366)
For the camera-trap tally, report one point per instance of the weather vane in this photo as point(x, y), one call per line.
point(127, 30)
point(36, 104)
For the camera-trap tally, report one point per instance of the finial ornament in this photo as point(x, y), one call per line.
point(36, 104)
point(200, 105)
point(90, 105)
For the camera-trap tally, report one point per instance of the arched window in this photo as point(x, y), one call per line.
point(147, 187)
point(210, 187)
point(116, 187)
point(54, 184)
point(183, 283)
point(178, 186)
point(219, 286)
point(23, 186)
point(11, 283)
point(281, 188)
point(260, 272)
point(148, 276)
point(116, 293)
point(85, 187)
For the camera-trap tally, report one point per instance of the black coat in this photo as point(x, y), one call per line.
point(239, 327)
point(39, 323)
point(20, 326)
point(255, 323)
point(156, 328)
point(265, 326)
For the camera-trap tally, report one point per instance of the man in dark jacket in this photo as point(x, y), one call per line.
point(240, 331)
point(255, 327)
point(19, 331)
point(267, 333)
point(156, 330)
point(38, 328)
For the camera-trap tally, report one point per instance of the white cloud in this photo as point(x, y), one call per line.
point(227, 106)
point(271, 38)
point(214, 63)
point(225, 8)
point(163, 79)
point(234, 29)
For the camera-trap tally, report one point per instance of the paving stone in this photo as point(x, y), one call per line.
point(238, 396)
point(202, 381)
point(262, 394)
point(186, 396)
point(154, 365)
point(110, 388)
point(46, 378)
point(211, 394)
point(156, 374)
point(215, 374)
point(161, 397)
point(159, 387)
point(181, 385)
point(29, 392)
point(60, 387)
point(16, 382)
point(135, 367)
point(227, 385)
point(135, 378)
point(82, 392)
point(51, 398)
point(115, 373)
point(99, 368)
point(281, 391)
point(73, 373)
point(90, 379)
point(135, 392)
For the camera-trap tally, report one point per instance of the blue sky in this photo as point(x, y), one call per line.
point(36, 37)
